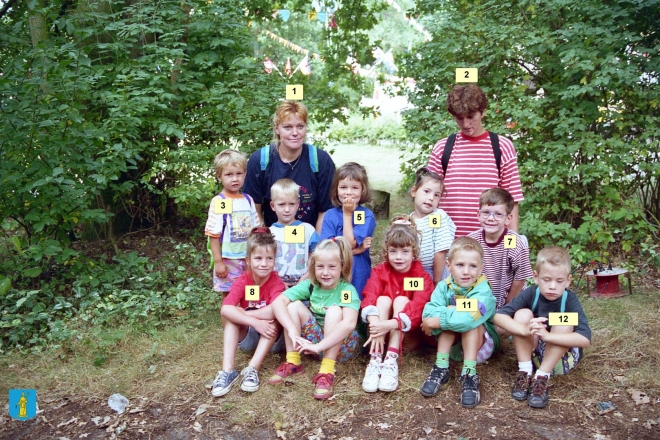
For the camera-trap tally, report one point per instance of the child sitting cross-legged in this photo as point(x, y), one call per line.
point(327, 329)
point(553, 348)
point(249, 322)
point(454, 318)
point(392, 304)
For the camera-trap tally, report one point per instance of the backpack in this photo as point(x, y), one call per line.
point(313, 157)
point(563, 300)
point(494, 141)
point(224, 225)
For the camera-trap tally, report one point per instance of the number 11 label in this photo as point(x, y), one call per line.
point(467, 305)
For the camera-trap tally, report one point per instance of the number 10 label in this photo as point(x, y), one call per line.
point(413, 284)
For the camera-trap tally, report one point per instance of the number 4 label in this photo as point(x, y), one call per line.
point(467, 75)
point(294, 234)
point(563, 318)
point(252, 293)
point(294, 91)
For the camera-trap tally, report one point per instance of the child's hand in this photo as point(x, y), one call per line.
point(430, 324)
point(366, 244)
point(267, 329)
point(298, 341)
point(377, 344)
point(308, 348)
point(348, 205)
point(380, 328)
point(220, 269)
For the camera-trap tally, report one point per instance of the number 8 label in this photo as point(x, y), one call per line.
point(252, 293)
point(346, 297)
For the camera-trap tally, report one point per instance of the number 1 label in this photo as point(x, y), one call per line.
point(252, 293)
point(467, 75)
point(294, 91)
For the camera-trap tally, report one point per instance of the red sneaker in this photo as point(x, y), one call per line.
point(285, 369)
point(323, 383)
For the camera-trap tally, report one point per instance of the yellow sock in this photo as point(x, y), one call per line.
point(293, 357)
point(327, 366)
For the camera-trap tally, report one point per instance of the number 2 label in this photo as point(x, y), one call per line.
point(467, 75)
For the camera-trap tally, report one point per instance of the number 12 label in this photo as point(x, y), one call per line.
point(563, 318)
point(252, 293)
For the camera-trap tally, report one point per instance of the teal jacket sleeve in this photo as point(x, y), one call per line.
point(443, 298)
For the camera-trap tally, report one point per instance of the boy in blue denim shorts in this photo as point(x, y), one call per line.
point(540, 340)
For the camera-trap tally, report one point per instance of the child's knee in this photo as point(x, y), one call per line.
point(334, 313)
point(563, 329)
point(523, 316)
point(400, 302)
point(384, 302)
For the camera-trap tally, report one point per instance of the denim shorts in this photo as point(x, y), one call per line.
point(251, 340)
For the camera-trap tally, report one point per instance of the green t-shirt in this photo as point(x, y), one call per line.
point(320, 299)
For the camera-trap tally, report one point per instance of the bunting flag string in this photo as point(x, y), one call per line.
point(414, 23)
point(290, 45)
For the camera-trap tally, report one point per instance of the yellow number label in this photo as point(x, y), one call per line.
point(358, 217)
point(294, 234)
point(435, 221)
point(251, 293)
point(467, 75)
point(222, 206)
point(413, 284)
point(563, 318)
point(467, 305)
point(346, 297)
point(294, 91)
point(509, 242)
point(312, 15)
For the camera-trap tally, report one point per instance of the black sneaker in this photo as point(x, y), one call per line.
point(437, 378)
point(521, 386)
point(538, 396)
point(470, 390)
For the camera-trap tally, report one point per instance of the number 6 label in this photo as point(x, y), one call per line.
point(346, 297)
point(563, 319)
point(467, 75)
point(435, 221)
point(252, 293)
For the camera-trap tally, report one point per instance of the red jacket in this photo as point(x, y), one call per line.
point(385, 281)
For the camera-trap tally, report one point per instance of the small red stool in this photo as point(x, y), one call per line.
point(607, 283)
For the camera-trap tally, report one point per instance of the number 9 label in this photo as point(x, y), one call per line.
point(346, 297)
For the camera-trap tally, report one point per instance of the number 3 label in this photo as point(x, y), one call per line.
point(252, 293)
point(346, 297)
point(222, 206)
point(467, 75)
point(358, 217)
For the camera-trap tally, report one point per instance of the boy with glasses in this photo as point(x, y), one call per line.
point(506, 253)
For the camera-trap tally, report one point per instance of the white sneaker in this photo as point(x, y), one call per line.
point(250, 382)
point(389, 375)
point(372, 376)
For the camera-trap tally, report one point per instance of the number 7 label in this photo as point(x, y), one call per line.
point(509, 242)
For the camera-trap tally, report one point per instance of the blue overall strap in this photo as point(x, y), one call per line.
point(224, 224)
point(563, 300)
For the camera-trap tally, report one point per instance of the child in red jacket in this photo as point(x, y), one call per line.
point(393, 301)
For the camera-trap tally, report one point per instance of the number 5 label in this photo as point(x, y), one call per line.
point(222, 206)
point(563, 319)
point(252, 293)
point(467, 75)
point(294, 234)
point(346, 297)
point(294, 91)
point(358, 217)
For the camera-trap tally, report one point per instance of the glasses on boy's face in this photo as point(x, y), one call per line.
point(485, 214)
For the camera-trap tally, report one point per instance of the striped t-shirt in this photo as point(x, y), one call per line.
point(470, 171)
point(434, 240)
point(502, 266)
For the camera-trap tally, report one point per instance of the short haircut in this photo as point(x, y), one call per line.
point(342, 248)
point(423, 175)
point(465, 101)
point(555, 256)
point(465, 244)
point(351, 171)
point(497, 196)
point(259, 237)
point(401, 233)
point(227, 158)
point(286, 110)
point(284, 188)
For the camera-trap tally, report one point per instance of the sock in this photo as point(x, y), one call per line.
point(392, 353)
point(327, 366)
point(376, 356)
point(469, 365)
point(293, 357)
point(442, 360)
point(526, 367)
point(542, 373)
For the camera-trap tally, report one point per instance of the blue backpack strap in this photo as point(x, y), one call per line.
point(313, 158)
point(265, 157)
point(563, 301)
point(536, 299)
point(224, 224)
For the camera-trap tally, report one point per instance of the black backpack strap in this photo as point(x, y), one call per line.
point(449, 145)
point(495, 142)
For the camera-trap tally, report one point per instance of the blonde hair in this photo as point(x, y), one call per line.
point(342, 248)
point(260, 237)
point(227, 158)
point(465, 244)
point(283, 188)
point(497, 196)
point(555, 256)
point(402, 232)
point(351, 171)
point(286, 110)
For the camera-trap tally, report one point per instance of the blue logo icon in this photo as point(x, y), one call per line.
point(22, 404)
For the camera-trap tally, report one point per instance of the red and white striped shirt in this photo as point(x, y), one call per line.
point(470, 171)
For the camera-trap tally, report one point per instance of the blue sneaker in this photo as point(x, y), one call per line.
point(223, 382)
